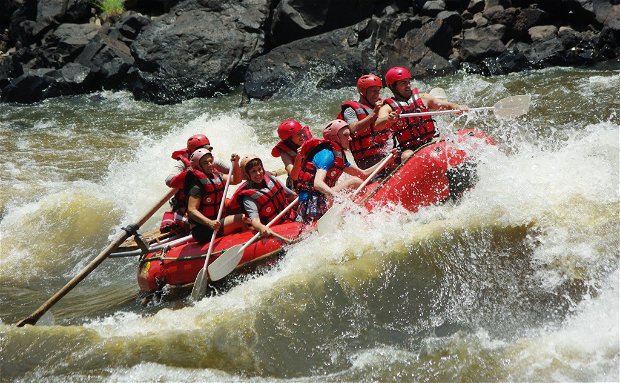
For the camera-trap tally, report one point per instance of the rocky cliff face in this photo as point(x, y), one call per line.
point(166, 51)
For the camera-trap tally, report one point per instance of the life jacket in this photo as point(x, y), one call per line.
point(369, 143)
point(271, 199)
point(176, 220)
point(412, 132)
point(181, 155)
point(285, 146)
point(212, 191)
point(288, 147)
point(305, 180)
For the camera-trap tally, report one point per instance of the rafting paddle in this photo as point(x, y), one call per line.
point(227, 262)
point(200, 285)
point(127, 232)
point(506, 108)
point(332, 217)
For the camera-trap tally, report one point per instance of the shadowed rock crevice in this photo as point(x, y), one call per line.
point(167, 51)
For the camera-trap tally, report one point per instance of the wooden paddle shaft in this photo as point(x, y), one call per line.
point(32, 319)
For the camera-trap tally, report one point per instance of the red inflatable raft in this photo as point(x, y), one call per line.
point(435, 173)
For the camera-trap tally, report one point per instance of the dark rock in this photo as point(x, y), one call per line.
point(456, 5)
point(545, 53)
point(38, 84)
point(476, 6)
point(504, 16)
point(108, 59)
point(7, 7)
point(425, 49)
point(479, 43)
point(507, 62)
point(495, 3)
point(9, 68)
point(432, 8)
point(202, 47)
point(66, 42)
point(606, 44)
point(197, 49)
point(127, 27)
point(525, 19)
point(295, 19)
point(73, 78)
point(151, 7)
point(543, 32)
point(480, 21)
point(32, 86)
point(607, 13)
point(333, 59)
point(452, 19)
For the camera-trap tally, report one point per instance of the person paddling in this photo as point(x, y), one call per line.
point(292, 135)
point(323, 162)
point(204, 185)
point(262, 197)
point(176, 220)
point(369, 143)
point(410, 133)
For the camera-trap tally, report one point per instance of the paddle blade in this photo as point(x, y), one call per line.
point(225, 263)
point(200, 286)
point(511, 107)
point(330, 221)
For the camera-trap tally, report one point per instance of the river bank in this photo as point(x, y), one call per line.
point(170, 51)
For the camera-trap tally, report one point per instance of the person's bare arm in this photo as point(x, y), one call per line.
point(320, 185)
point(237, 175)
point(288, 163)
point(193, 205)
point(386, 118)
point(363, 125)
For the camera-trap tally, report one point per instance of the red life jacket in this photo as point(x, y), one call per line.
point(288, 147)
point(178, 216)
point(305, 180)
point(369, 143)
point(271, 199)
point(412, 132)
point(212, 191)
point(285, 146)
point(181, 155)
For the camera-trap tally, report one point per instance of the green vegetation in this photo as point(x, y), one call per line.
point(110, 7)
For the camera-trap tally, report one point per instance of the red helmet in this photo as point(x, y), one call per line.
point(366, 81)
point(288, 128)
point(396, 73)
point(194, 159)
point(197, 141)
point(330, 132)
